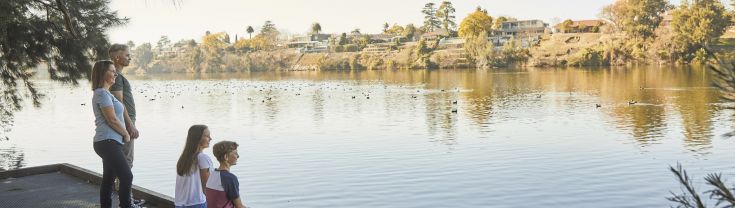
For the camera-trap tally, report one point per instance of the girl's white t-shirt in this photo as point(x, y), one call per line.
point(189, 187)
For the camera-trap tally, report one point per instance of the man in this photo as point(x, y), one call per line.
point(120, 55)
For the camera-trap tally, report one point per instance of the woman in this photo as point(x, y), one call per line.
point(109, 136)
point(192, 169)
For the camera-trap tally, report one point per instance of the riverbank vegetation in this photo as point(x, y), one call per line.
point(630, 32)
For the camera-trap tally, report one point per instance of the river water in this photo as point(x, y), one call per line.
point(445, 138)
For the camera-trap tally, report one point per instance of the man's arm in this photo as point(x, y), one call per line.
point(129, 125)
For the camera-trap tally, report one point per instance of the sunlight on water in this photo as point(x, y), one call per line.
point(468, 138)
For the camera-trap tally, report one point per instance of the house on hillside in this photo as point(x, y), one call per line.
point(436, 34)
point(579, 26)
point(309, 43)
point(523, 27)
point(525, 33)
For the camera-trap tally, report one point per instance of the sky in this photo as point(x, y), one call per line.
point(189, 19)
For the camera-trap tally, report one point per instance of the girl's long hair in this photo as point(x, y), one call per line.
point(188, 157)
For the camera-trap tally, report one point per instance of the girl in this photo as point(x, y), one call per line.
point(192, 169)
point(109, 135)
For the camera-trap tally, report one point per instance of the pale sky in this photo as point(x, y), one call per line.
point(189, 19)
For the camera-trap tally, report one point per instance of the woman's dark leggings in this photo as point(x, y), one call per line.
point(114, 165)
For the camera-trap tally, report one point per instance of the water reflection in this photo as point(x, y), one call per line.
point(11, 157)
point(646, 102)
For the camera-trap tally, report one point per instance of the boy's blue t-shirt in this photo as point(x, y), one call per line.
point(222, 189)
point(103, 98)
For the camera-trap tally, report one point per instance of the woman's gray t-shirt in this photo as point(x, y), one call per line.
point(103, 98)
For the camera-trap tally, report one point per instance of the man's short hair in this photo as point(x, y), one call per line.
point(116, 48)
point(222, 148)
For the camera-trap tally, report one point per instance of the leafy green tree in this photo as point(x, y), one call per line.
point(343, 39)
point(395, 30)
point(269, 31)
point(130, 44)
point(637, 18)
point(409, 32)
point(163, 42)
point(695, 26)
point(362, 41)
point(567, 25)
point(385, 27)
point(63, 35)
point(431, 22)
point(250, 31)
point(478, 49)
point(316, 28)
point(227, 38)
point(475, 23)
point(446, 15)
point(195, 60)
point(143, 56)
point(423, 52)
point(356, 32)
point(213, 46)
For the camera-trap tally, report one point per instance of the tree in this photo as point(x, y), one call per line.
point(267, 37)
point(130, 44)
point(250, 31)
point(423, 53)
point(269, 31)
point(395, 30)
point(195, 60)
point(163, 42)
point(637, 18)
point(385, 27)
point(213, 45)
point(409, 32)
point(695, 25)
point(343, 39)
point(446, 15)
point(227, 38)
point(355, 32)
point(476, 23)
point(478, 49)
point(65, 36)
point(567, 25)
point(430, 20)
point(316, 28)
point(143, 56)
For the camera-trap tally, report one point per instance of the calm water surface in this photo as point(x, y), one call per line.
point(518, 138)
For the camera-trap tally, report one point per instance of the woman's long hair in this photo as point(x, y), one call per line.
point(189, 156)
point(98, 73)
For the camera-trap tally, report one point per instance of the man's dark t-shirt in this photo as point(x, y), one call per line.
point(122, 84)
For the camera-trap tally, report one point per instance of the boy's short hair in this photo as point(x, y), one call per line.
point(222, 148)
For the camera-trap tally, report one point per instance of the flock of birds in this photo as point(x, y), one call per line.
point(267, 91)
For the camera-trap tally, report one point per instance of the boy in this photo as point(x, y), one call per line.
point(223, 189)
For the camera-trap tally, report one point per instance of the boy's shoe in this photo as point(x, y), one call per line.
point(139, 202)
point(136, 206)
